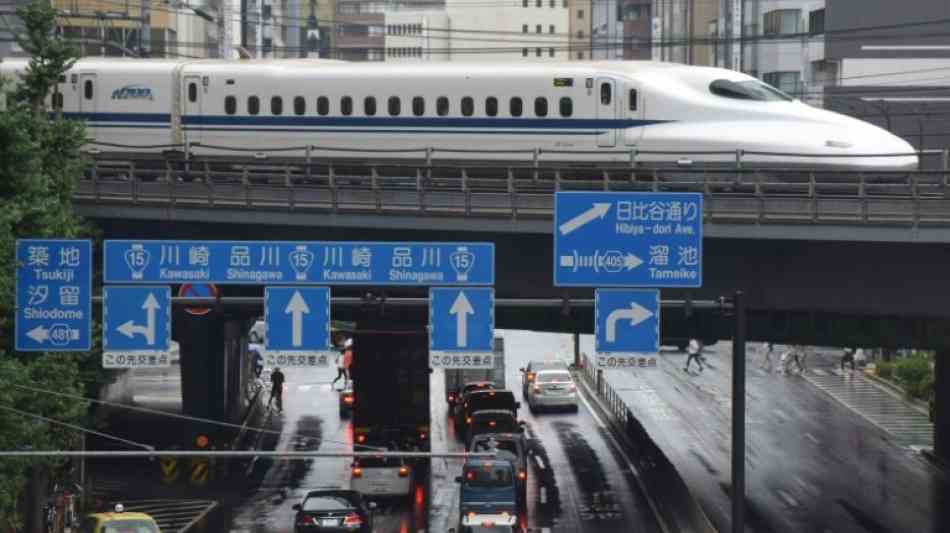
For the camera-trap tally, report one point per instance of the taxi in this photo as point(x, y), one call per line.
point(119, 521)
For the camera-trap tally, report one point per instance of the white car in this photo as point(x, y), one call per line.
point(552, 388)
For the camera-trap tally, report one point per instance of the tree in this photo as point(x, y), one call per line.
point(41, 156)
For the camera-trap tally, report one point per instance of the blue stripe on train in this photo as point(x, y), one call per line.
point(350, 130)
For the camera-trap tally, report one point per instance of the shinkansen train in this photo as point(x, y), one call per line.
point(585, 112)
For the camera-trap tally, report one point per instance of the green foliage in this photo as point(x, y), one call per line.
point(51, 56)
point(885, 370)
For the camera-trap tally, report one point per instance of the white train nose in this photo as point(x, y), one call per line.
point(873, 148)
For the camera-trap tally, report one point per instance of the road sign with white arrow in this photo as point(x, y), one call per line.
point(53, 295)
point(628, 239)
point(461, 326)
point(136, 326)
point(626, 326)
point(297, 325)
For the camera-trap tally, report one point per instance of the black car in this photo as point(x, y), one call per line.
point(479, 400)
point(334, 510)
point(492, 421)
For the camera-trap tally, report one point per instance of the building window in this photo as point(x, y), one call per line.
point(537, 29)
point(633, 100)
point(491, 106)
point(537, 3)
point(323, 105)
point(524, 28)
point(788, 81)
point(580, 55)
point(346, 105)
point(276, 105)
point(524, 52)
point(418, 106)
point(606, 93)
point(524, 3)
point(816, 22)
point(782, 21)
point(87, 90)
point(395, 106)
point(632, 12)
point(580, 14)
point(369, 106)
point(564, 4)
point(442, 106)
point(267, 45)
point(552, 4)
point(230, 105)
point(537, 52)
point(550, 52)
point(300, 105)
point(192, 92)
point(580, 34)
point(541, 106)
point(566, 106)
point(468, 106)
point(253, 105)
point(551, 28)
point(515, 106)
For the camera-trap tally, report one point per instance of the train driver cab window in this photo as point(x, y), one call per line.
point(468, 106)
point(323, 105)
point(192, 92)
point(369, 106)
point(230, 105)
point(418, 106)
point(541, 106)
point(346, 105)
point(491, 106)
point(605, 93)
point(253, 105)
point(395, 106)
point(442, 106)
point(300, 105)
point(276, 105)
point(87, 90)
point(633, 100)
point(515, 106)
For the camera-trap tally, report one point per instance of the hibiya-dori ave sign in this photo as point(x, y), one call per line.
point(628, 239)
point(299, 263)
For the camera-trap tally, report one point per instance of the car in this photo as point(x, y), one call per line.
point(469, 387)
point(511, 447)
point(552, 388)
point(492, 421)
point(333, 510)
point(528, 373)
point(347, 399)
point(487, 494)
point(381, 477)
point(119, 521)
point(478, 400)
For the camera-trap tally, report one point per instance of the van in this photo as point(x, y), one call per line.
point(487, 493)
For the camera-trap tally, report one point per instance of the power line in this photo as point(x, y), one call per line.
point(75, 427)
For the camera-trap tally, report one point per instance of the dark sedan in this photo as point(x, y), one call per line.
point(334, 510)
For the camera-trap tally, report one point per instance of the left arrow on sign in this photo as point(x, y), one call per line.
point(297, 307)
point(461, 308)
point(129, 329)
point(38, 334)
point(636, 313)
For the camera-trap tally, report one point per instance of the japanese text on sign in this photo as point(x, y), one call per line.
point(291, 359)
point(456, 360)
point(625, 361)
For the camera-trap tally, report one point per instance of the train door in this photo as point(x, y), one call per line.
point(606, 94)
point(88, 87)
point(191, 92)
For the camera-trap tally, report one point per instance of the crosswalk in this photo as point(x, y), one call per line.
point(882, 408)
point(174, 516)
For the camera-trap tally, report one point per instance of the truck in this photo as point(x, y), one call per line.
point(456, 378)
point(390, 410)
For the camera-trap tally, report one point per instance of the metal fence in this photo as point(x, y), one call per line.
point(611, 401)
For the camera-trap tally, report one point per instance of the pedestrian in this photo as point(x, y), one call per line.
point(796, 354)
point(342, 360)
point(277, 388)
point(258, 362)
point(694, 350)
point(847, 357)
point(767, 356)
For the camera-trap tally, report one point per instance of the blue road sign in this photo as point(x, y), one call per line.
point(628, 239)
point(626, 321)
point(461, 326)
point(136, 320)
point(299, 263)
point(297, 319)
point(53, 295)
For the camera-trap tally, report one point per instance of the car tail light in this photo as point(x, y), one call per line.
point(451, 398)
point(403, 471)
point(361, 438)
point(468, 420)
point(492, 423)
point(530, 376)
point(352, 520)
point(423, 435)
point(471, 515)
point(572, 386)
point(471, 477)
point(348, 399)
point(537, 388)
point(522, 475)
point(357, 471)
point(304, 520)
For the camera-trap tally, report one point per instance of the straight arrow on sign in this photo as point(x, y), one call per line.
point(461, 308)
point(297, 307)
point(636, 313)
point(129, 328)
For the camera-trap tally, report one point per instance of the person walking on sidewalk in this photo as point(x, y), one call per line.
point(277, 388)
point(766, 363)
point(848, 357)
point(694, 350)
point(343, 362)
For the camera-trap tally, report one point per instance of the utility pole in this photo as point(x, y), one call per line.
point(244, 24)
point(313, 32)
point(145, 39)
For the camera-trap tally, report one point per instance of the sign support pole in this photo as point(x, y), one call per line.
point(738, 416)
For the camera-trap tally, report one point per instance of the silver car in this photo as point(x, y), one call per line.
point(552, 388)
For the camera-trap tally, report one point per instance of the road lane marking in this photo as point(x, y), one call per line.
point(811, 437)
point(792, 502)
point(538, 460)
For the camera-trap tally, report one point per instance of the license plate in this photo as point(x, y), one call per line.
point(329, 522)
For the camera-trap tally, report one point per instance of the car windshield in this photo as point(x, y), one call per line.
point(502, 446)
point(553, 377)
point(748, 90)
point(497, 400)
point(488, 476)
point(130, 526)
point(326, 503)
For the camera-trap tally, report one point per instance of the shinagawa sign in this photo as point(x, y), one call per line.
point(299, 262)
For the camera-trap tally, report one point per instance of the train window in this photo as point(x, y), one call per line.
point(276, 105)
point(418, 106)
point(395, 106)
point(748, 90)
point(253, 105)
point(323, 105)
point(516, 106)
point(606, 93)
point(57, 100)
point(541, 106)
point(633, 100)
point(230, 105)
point(192, 92)
point(468, 106)
point(442, 106)
point(566, 106)
point(346, 105)
point(87, 89)
point(491, 106)
point(369, 106)
point(300, 105)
